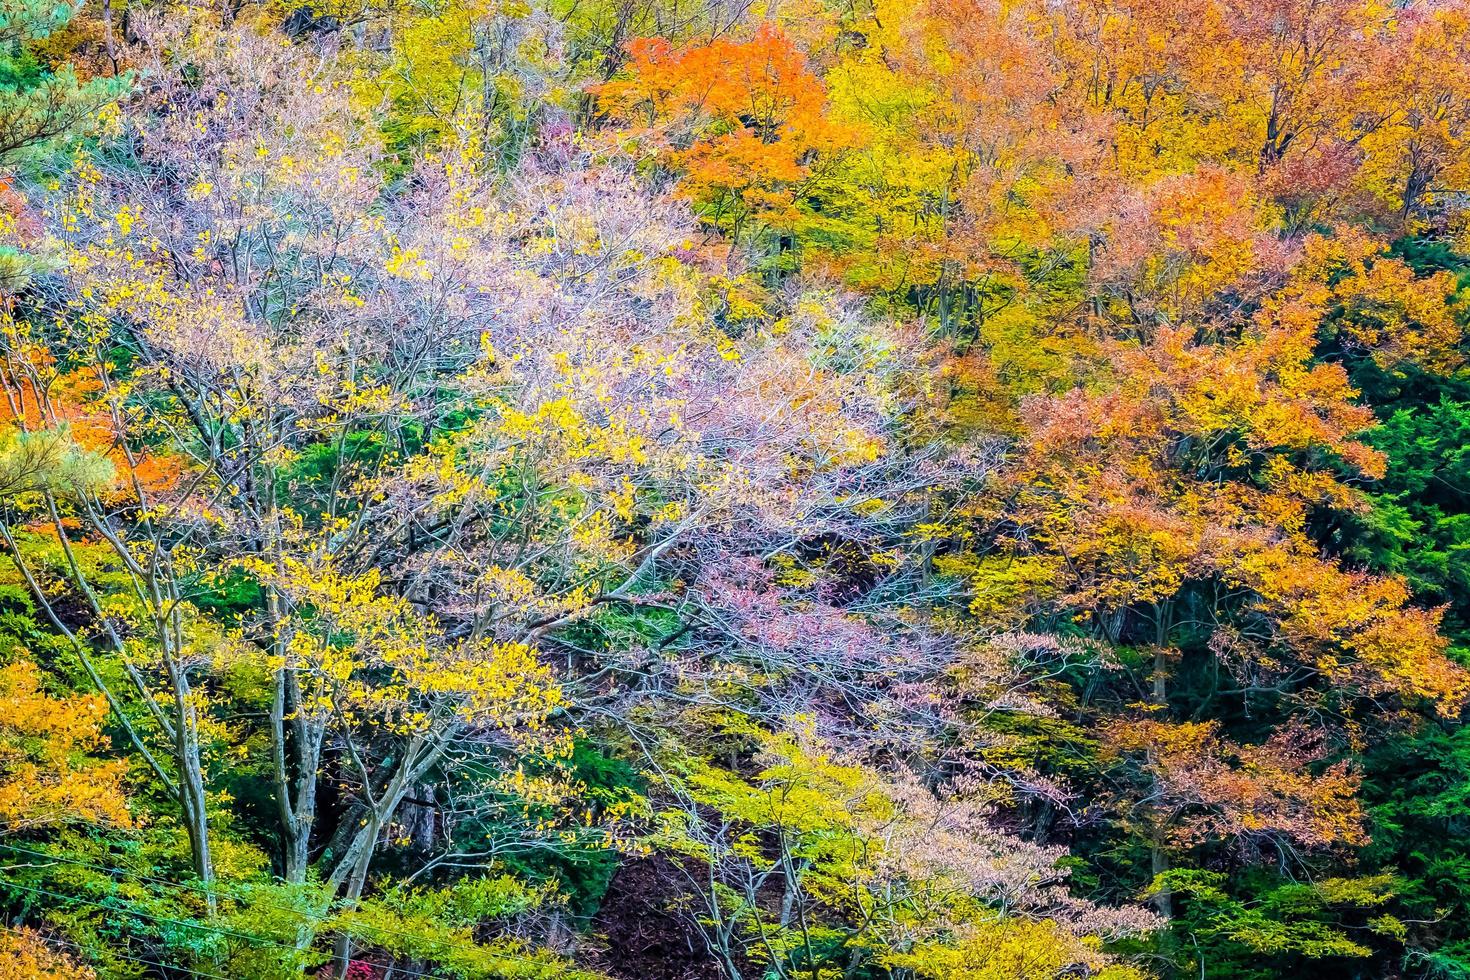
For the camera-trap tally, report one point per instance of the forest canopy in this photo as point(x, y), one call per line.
point(735, 489)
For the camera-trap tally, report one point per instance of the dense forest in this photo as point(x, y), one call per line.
point(735, 489)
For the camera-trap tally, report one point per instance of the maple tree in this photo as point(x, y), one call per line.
point(742, 122)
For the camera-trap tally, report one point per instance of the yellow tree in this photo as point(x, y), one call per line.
point(24, 955)
point(48, 775)
point(1418, 158)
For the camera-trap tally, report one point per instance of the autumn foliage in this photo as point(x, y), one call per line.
point(897, 490)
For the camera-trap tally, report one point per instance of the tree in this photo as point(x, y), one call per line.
point(27, 957)
point(47, 774)
point(887, 491)
point(742, 123)
point(41, 103)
